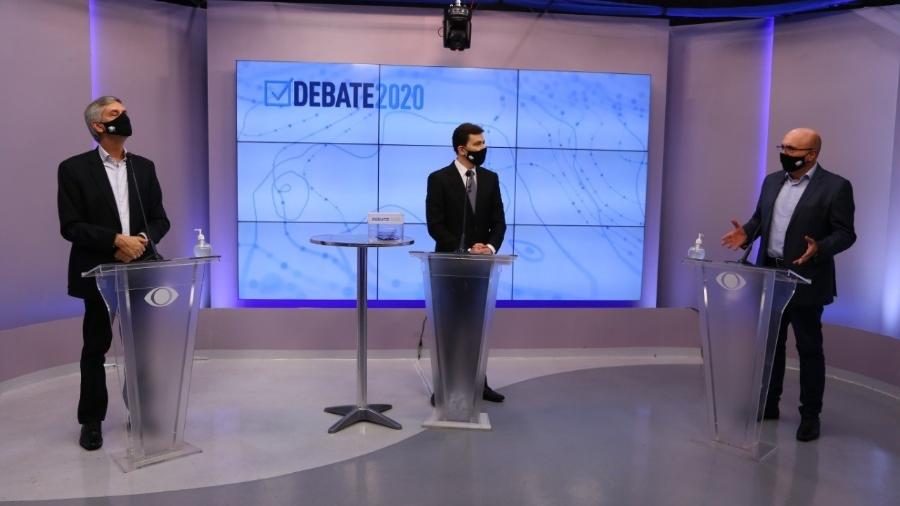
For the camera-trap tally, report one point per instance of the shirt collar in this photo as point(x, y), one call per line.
point(106, 157)
point(808, 175)
point(461, 168)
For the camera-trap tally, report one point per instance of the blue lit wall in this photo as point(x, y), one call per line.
point(321, 145)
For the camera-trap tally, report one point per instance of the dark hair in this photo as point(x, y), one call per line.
point(462, 133)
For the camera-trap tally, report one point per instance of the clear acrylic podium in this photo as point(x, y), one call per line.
point(740, 313)
point(155, 305)
point(460, 295)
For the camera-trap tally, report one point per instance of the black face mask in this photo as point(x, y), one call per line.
point(477, 157)
point(119, 126)
point(791, 163)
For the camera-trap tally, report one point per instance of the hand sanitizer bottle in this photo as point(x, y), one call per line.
point(202, 248)
point(696, 251)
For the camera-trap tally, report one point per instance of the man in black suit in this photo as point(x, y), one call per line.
point(805, 217)
point(463, 207)
point(452, 192)
point(103, 198)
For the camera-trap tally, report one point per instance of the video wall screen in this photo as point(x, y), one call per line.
point(319, 145)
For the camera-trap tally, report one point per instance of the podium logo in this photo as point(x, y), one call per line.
point(731, 280)
point(161, 297)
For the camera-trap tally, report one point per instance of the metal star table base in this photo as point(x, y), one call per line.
point(354, 414)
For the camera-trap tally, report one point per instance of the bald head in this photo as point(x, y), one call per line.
point(804, 138)
point(801, 143)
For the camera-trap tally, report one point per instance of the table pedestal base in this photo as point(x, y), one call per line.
point(354, 414)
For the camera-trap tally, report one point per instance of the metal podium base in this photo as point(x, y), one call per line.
point(354, 414)
point(127, 461)
point(484, 423)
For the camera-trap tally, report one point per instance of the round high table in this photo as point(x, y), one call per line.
point(362, 411)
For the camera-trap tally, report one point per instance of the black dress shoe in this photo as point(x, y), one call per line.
point(490, 395)
point(808, 429)
point(432, 400)
point(91, 436)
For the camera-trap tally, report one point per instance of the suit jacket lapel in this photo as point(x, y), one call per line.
point(479, 190)
point(134, 205)
point(98, 172)
point(770, 194)
point(811, 187)
point(458, 187)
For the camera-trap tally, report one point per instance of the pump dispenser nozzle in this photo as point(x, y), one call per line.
point(696, 251)
point(202, 248)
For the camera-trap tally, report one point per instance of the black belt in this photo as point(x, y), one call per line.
point(779, 262)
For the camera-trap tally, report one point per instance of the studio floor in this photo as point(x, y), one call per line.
point(591, 427)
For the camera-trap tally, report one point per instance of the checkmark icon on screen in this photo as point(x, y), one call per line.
point(278, 93)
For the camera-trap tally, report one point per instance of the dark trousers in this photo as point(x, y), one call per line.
point(807, 324)
point(97, 337)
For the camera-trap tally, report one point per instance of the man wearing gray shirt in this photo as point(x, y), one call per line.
point(804, 217)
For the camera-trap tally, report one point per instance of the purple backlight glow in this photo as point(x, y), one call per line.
point(92, 20)
point(765, 82)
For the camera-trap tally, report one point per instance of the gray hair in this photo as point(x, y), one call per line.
point(93, 113)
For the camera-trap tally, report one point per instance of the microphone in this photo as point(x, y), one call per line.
point(154, 253)
point(750, 239)
point(462, 237)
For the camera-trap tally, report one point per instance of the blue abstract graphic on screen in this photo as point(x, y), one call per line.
point(321, 145)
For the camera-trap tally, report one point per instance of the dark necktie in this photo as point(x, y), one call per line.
point(471, 188)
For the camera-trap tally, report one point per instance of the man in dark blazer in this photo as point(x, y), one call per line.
point(805, 217)
point(463, 207)
point(100, 213)
point(448, 203)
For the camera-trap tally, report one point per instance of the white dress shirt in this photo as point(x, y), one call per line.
point(118, 180)
point(462, 171)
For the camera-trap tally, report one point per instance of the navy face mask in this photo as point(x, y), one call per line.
point(121, 125)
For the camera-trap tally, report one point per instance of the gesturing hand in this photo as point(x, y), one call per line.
point(811, 249)
point(736, 237)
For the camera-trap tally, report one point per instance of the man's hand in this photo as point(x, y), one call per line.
point(131, 246)
point(481, 249)
point(122, 256)
point(736, 237)
point(811, 249)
